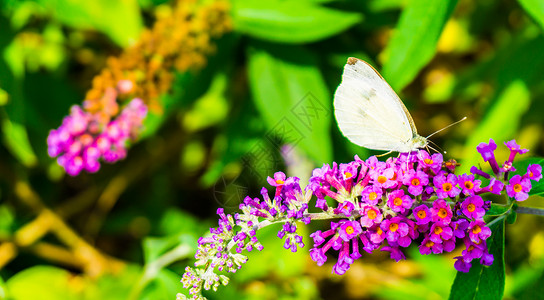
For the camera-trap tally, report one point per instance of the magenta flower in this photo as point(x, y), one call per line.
point(345, 208)
point(487, 259)
point(387, 179)
point(459, 228)
point(473, 250)
point(518, 188)
point(422, 214)
point(317, 255)
point(477, 231)
point(534, 172)
point(348, 171)
point(446, 186)
point(415, 180)
point(432, 162)
point(440, 231)
point(372, 194)
point(495, 187)
point(371, 215)
point(441, 212)
point(278, 180)
point(395, 253)
point(461, 265)
point(468, 185)
point(399, 202)
point(349, 230)
point(473, 207)
point(428, 246)
point(514, 150)
point(396, 231)
point(476, 171)
point(376, 235)
point(488, 154)
point(84, 139)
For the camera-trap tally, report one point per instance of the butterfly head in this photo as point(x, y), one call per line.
point(417, 142)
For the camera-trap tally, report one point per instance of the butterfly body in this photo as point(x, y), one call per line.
point(370, 114)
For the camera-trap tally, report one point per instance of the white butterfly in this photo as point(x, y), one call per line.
point(370, 114)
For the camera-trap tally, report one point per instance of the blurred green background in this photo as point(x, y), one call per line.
point(261, 103)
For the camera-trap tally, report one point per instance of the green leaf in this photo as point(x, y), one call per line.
point(156, 246)
point(164, 285)
point(512, 99)
point(413, 44)
point(499, 131)
point(3, 289)
point(521, 168)
point(535, 8)
point(120, 20)
point(290, 21)
point(496, 210)
point(483, 282)
point(44, 282)
point(290, 93)
point(16, 140)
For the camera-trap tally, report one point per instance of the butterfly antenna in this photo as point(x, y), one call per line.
point(454, 123)
point(441, 150)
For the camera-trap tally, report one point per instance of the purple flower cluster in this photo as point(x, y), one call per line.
point(395, 203)
point(84, 139)
point(412, 199)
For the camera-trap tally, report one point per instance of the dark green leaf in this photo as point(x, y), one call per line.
point(483, 282)
point(497, 209)
point(511, 100)
point(414, 42)
point(291, 95)
point(290, 21)
point(14, 132)
point(512, 217)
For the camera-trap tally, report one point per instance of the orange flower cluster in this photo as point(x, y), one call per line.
point(180, 40)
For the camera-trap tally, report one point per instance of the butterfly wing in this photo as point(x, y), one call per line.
point(368, 111)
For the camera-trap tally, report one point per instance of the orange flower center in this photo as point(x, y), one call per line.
point(382, 179)
point(393, 227)
point(531, 174)
point(428, 161)
point(446, 187)
point(372, 196)
point(348, 174)
point(379, 231)
point(469, 185)
point(429, 244)
point(421, 214)
point(349, 230)
point(397, 201)
point(471, 207)
point(517, 187)
point(86, 139)
point(371, 214)
point(415, 182)
point(394, 176)
point(442, 213)
point(279, 181)
point(438, 230)
point(476, 229)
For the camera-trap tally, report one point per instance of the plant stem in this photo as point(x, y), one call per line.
point(530, 210)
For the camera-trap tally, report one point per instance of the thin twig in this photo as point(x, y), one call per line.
point(530, 210)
